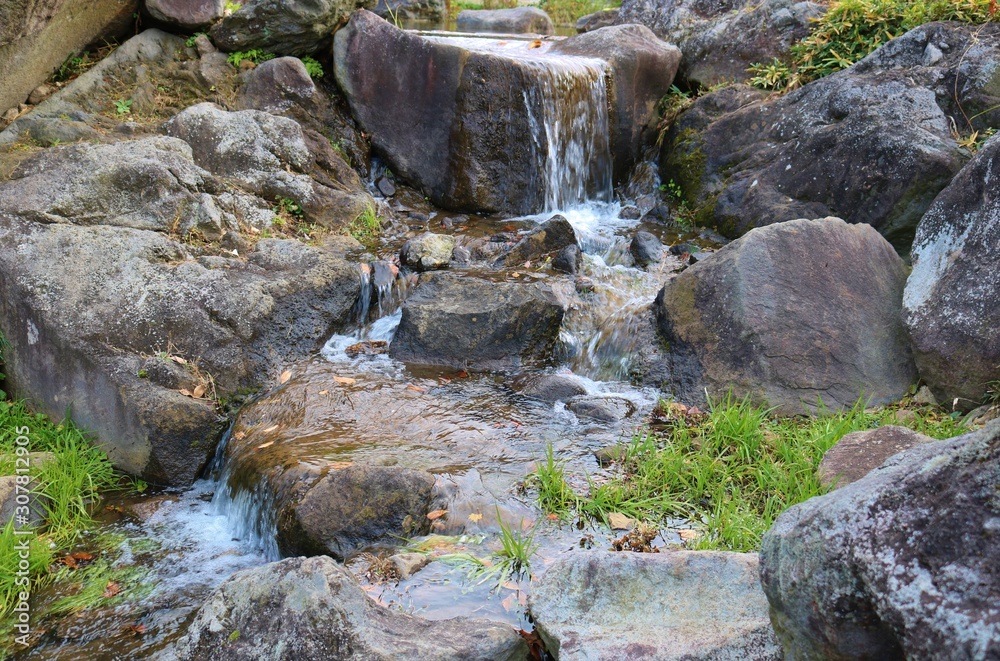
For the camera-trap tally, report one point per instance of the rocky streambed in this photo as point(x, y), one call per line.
point(339, 320)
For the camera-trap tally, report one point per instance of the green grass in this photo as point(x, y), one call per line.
point(567, 12)
point(366, 228)
point(516, 548)
point(851, 29)
point(554, 495)
point(730, 472)
point(313, 67)
point(255, 55)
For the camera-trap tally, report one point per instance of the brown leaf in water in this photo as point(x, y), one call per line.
point(113, 590)
point(537, 43)
point(416, 388)
point(199, 392)
point(265, 445)
point(83, 556)
point(69, 561)
point(138, 629)
point(509, 602)
point(436, 514)
point(339, 465)
point(475, 518)
point(535, 646)
point(688, 535)
point(346, 380)
point(285, 376)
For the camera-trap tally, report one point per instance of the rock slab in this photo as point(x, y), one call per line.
point(796, 314)
point(860, 452)
point(900, 564)
point(308, 609)
point(664, 607)
point(517, 20)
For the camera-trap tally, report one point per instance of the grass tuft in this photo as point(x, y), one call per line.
point(366, 228)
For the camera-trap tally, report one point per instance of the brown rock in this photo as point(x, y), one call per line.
point(858, 453)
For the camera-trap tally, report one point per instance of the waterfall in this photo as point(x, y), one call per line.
point(568, 106)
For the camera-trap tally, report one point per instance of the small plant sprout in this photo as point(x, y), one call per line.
point(313, 68)
point(123, 106)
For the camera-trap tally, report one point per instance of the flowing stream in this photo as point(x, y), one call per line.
point(473, 431)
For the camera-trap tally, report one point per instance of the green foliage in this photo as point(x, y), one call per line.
point(313, 68)
point(554, 495)
point(674, 102)
point(366, 228)
point(516, 548)
point(100, 584)
point(567, 12)
point(73, 65)
point(733, 470)
point(232, 7)
point(123, 106)
point(254, 55)
point(40, 556)
point(189, 42)
point(851, 29)
point(993, 392)
point(684, 216)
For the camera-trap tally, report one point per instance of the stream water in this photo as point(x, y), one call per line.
point(475, 432)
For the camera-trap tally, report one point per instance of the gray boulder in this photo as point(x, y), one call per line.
point(662, 606)
point(518, 20)
point(185, 15)
point(599, 19)
point(428, 251)
point(645, 248)
point(549, 238)
point(411, 10)
point(795, 314)
point(273, 157)
point(549, 387)
point(308, 609)
point(284, 27)
point(357, 508)
point(858, 453)
point(871, 144)
point(103, 264)
point(603, 408)
point(467, 155)
point(720, 40)
point(951, 305)
point(475, 324)
point(900, 564)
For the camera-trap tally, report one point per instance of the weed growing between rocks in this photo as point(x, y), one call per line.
point(366, 228)
point(566, 12)
point(730, 471)
point(851, 29)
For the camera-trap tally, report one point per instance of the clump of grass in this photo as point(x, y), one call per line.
point(101, 584)
point(734, 470)
point(254, 55)
point(851, 29)
point(554, 495)
point(567, 12)
point(516, 548)
point(366, 228)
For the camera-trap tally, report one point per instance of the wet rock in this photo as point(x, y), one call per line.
point(408, 564)
point(603, 408)
point(549, 387)
point(599, 19)
point(645, 249)
point(367, 348)
point(551, 236)
point(313, 608)
point(951, 305)
point(185, 15)
point(745, 161)
point(467, 156)
point(518, 20)
point(860, 452)
point(468, 323)
point(643, 69)
point(147, 508)
point(274, 158)
point(408, 10)
point(385, 186)
point(568, 260)
point(900, 564)
point(630, 212)
point(769, 317)
point(610, 454)
point(721, 40)
point(428, 251)
point(283, 28)
point(356, 508)
point(679, 605)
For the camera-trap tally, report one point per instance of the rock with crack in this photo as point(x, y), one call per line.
point(665, 606)
point(900, 564)
point(871, 144)
point(800, 315)
point(951, 305)
point(304, 609)
point(475, 324)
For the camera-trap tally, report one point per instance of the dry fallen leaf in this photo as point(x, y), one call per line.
point(436, 514)
point(82, 555)
point(178, 360)
point(508, 603)
point(688, 535)
point(475, 518)
point(199, 392)
point(324, 392)
point(346, 380)
point(416, 388)
point(619, 521)
point(113, 590)
point(338, 465)
point(552, 517)
point(240, 435)
point(270, 429)
point(265, 445)
point(185, 392)
point(285, 376)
